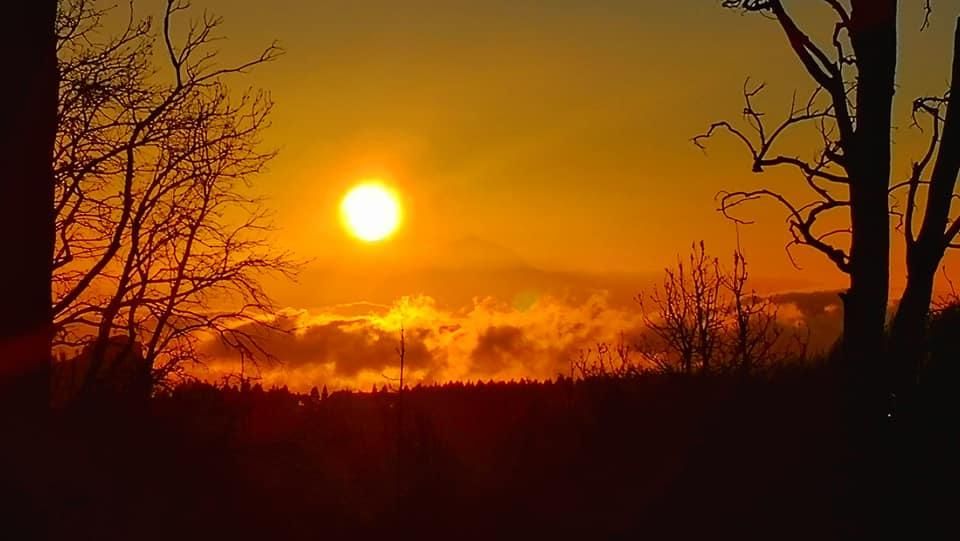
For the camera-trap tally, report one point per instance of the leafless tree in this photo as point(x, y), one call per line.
point(159, 235)
point(26, 186)
point(685, 313)
point(854, 76)
point(757, 337)
point(705, 318)
point(610, 360)
point(852, 172)
point(930, 188)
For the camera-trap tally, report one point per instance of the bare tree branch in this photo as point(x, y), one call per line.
point(159, 237)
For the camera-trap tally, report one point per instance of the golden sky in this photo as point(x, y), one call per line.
point(538, 146)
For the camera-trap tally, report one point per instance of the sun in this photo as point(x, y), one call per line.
point(370, 211)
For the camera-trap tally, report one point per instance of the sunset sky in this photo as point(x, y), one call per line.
point(540, 149)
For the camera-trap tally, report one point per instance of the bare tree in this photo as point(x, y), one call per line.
point(757, 337)
point(685, 313)
point(401, 356)
point(854, 77)
point(852, 172)
point(611, 360)
point(706, 318)
point(930, 187)
point(159, 236)
point(26, 197)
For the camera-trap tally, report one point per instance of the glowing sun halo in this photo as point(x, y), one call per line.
point(370, 211)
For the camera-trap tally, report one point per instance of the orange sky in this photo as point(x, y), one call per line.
point(556, 132)
point(540, 147)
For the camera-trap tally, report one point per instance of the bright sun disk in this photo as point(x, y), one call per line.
point(370, 211)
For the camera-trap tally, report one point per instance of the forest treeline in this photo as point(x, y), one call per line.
point(668, 455)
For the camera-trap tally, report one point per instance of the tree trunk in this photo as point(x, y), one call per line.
point(873, 33)
point(27, 132)
point(909, 328)
point(908, 332)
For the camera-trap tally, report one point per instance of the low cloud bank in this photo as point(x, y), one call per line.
point(355, 346)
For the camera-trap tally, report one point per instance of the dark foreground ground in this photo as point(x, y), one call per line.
point(657, 457)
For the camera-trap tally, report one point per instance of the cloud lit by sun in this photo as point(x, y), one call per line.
point(371, 211)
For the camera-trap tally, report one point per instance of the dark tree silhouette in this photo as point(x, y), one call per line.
point(852, 109)
point(27, 134)
point(938, 229)
point(159, 237)
point(756, 337)
point(686, 313)
point(705, 318)
point(617, 360)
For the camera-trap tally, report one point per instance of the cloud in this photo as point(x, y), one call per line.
point(810, 303)
point(356, 346)
point(488, 339)
point(345, 346)
point(496, 346)
point(820, 311)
